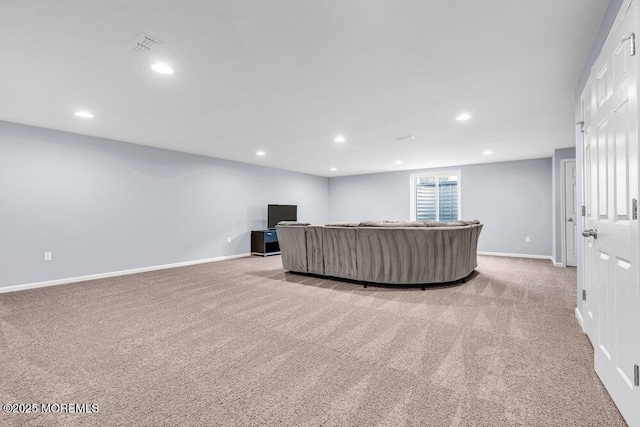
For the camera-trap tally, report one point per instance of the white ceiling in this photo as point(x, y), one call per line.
point(286, 77)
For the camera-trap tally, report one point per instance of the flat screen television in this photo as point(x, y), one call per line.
point(277, 213)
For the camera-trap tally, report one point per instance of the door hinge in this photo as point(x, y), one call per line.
point(632, 37)
point(634, 208)
point(581, 124)
point(584, 211)
point(584, 295)
point(636, 375)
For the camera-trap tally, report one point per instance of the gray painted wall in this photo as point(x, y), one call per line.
point(512, 199)
point(103, 206)
point(603, 32)
point(558, 214)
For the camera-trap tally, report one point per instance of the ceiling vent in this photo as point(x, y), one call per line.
point(143, 43)
point(406, 138)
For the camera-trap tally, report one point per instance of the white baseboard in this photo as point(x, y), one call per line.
point(510, 255)
point(23, 287)
point(558, 264)
point(580, 320)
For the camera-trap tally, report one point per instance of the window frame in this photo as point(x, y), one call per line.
point(413, 188)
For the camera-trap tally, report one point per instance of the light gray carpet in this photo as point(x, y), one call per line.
point(242, 342)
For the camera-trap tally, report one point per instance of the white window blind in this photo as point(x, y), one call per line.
point(436, 197)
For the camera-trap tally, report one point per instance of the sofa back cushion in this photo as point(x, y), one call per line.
point(391, 224)
point(458, 223)
point(292, 224)
point(342, 224)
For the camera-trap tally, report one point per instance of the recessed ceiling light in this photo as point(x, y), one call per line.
point(333, 169)
point(405, 138)
point(339, 138)
point(162, 68)
point(463, 116)
point(84, 114)
point(260, 153)
point(398, 162)
point(488, 152)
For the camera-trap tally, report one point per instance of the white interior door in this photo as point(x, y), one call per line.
point(611, 161)
point(570, 214)
point(588, 166)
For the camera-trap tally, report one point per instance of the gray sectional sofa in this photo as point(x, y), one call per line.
point(411, 252)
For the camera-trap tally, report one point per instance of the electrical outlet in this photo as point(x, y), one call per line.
point(527, 239)
point(228, 239)
point(47, 256)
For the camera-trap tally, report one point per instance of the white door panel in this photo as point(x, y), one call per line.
point(589, 186)
point(570, 214)
point(610, 147)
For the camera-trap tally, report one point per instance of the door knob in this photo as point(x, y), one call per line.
point(570, 219)
point(590, 233)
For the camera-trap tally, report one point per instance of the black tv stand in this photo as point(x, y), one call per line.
point(264, 242)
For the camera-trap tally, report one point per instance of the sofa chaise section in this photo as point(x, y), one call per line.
point(413, 255)
point(293, 245)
